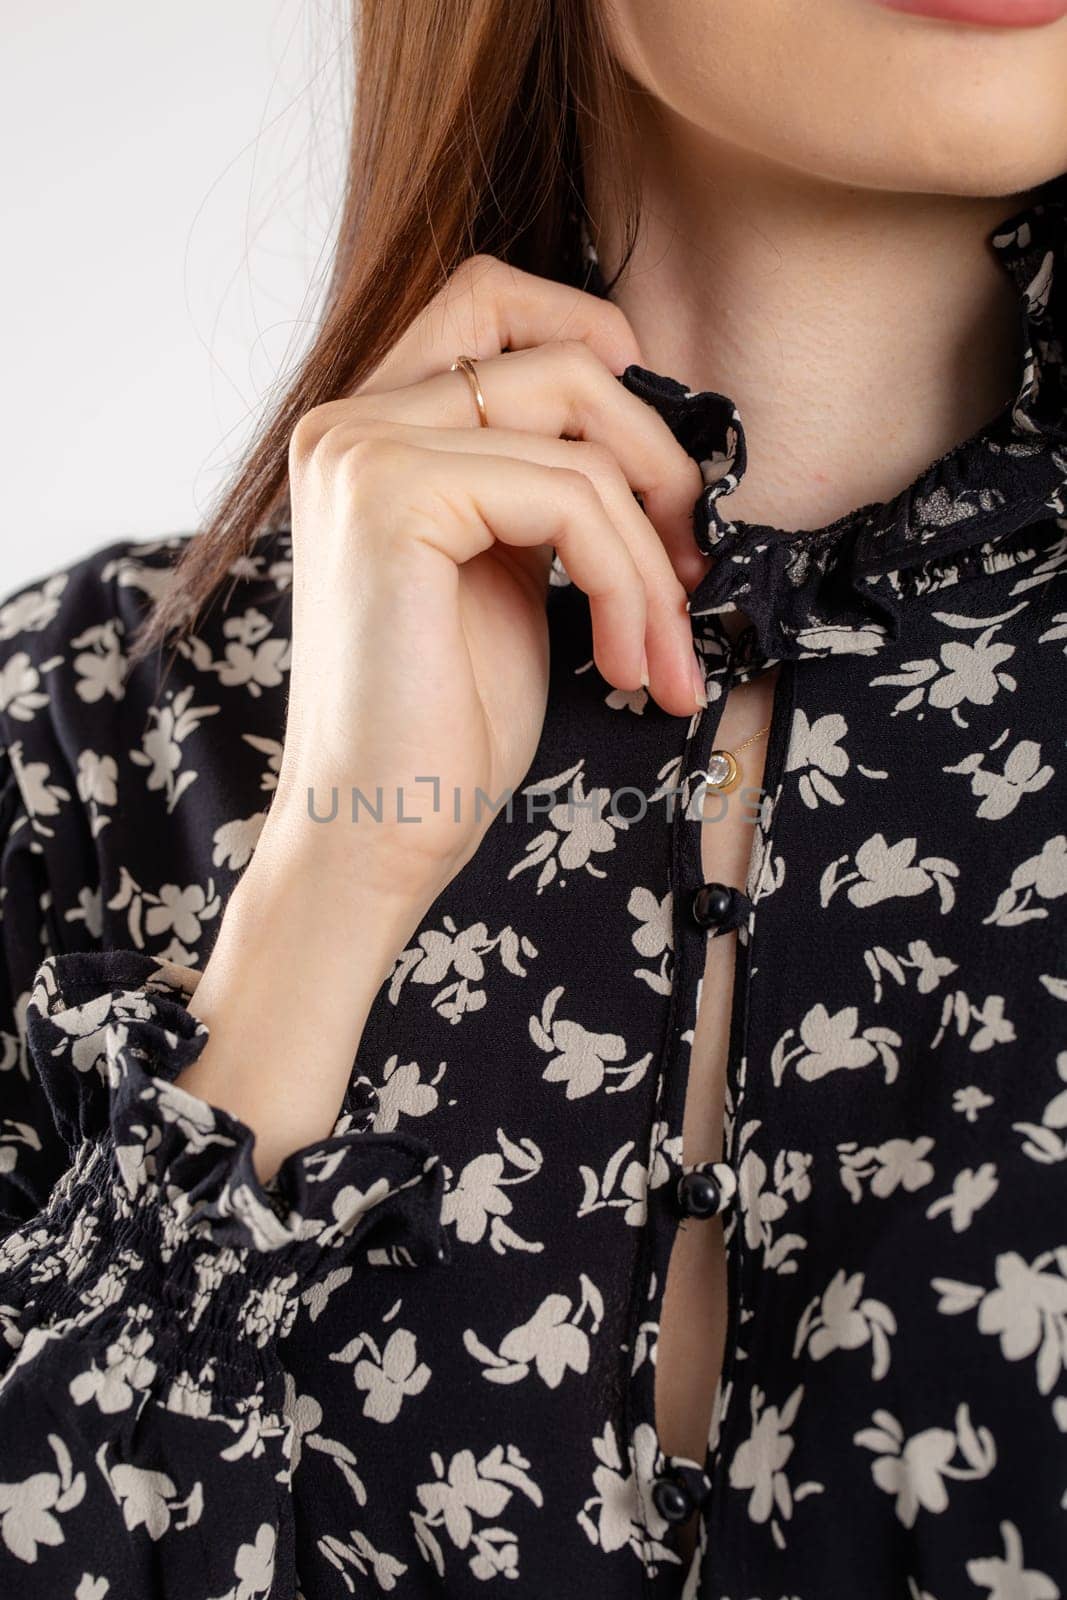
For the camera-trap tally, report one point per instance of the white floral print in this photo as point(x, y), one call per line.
point(1027, 1310)
point(422, 1358)
point(918, 1470)
point(551, 1342)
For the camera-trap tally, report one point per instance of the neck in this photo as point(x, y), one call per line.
point(862, 333)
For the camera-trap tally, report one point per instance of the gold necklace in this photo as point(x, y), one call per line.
point(724, 769)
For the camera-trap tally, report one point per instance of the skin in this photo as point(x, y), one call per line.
point(421, 551)
point(801, 163)
point(818, 178)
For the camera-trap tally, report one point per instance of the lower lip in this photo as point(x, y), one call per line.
point(985, 13)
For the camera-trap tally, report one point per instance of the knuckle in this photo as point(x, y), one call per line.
point(578, 485)
point(616, 319)
point(618, 325)
point(482, 261)
point(598, 461)
point(476, 270)
point(365, 463)
point(468, 298)
point(576, 357)
point(305, 437)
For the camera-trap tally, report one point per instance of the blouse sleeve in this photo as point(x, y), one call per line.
point(146, 1276)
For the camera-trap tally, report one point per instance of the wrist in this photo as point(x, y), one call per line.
point(305, 912)
point(285, 995)
point(368, 860)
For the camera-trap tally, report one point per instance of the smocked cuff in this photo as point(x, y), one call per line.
point(109, 1031)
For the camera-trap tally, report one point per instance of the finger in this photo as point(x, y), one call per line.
point(563, 389)
point(668, 632)
point(488, 306)
point(460, 505)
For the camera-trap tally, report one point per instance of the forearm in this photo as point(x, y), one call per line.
point(304, 947)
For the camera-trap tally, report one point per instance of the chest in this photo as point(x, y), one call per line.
point(873, 1054)
point(693, 1322)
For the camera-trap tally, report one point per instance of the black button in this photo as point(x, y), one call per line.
point(672, 1500)
point(711, 904)
point(699, 1195)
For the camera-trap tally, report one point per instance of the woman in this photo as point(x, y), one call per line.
point(691, 1221)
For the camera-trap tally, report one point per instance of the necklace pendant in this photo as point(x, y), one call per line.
point(723, 772)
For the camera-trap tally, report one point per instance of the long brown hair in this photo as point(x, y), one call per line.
point(472, 122)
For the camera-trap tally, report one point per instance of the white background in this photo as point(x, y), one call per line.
point(170, 178)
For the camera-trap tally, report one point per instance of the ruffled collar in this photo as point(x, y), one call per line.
point(817, 591)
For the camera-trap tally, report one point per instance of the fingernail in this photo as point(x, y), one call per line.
point(698, 682)
point(644, 669)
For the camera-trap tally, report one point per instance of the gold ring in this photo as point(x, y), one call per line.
point(465, 364)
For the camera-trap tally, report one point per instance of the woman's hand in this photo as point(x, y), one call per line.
point(422, 545)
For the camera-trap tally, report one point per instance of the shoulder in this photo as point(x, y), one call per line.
point(116, 584)
point(109, 588)
point(62, 635)
point(65, 636)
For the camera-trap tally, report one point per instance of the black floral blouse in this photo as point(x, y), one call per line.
point(420, 1360)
